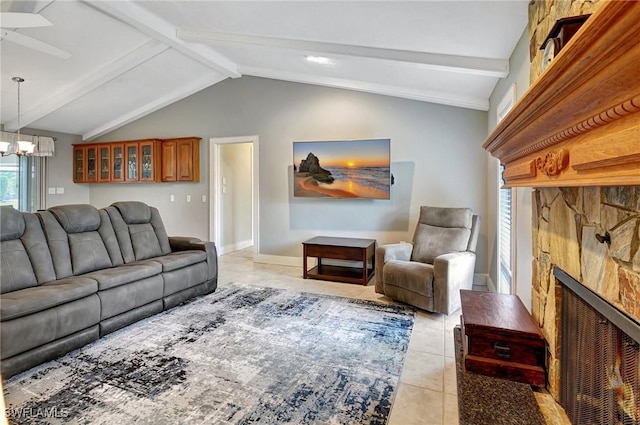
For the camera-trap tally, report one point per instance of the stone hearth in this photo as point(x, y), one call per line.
point(565, 224)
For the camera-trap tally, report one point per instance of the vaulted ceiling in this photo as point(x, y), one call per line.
point(107, 63)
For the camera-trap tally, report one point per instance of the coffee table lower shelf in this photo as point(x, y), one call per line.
point(338, 273)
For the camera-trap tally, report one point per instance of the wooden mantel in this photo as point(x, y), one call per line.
point(579, 123)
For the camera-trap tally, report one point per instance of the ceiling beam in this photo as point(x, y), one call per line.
point(159, 29)
point(468, 102)
point(487, 67)
point(159, 103)
point(86, 85)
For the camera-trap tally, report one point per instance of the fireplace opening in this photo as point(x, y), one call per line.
point(600, 358)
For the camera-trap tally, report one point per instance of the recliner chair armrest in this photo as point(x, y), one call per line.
point(397, 251)
point(451, 272)
point(182, 243)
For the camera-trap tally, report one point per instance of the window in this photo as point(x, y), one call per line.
point(21, 182)
point(506, 212)
point(505, 224)
point(9, 180)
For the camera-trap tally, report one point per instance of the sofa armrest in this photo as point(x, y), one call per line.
point(451, 272)
point(183, 243)
point(397, 251)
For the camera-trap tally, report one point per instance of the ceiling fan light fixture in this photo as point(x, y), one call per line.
point(320, 60)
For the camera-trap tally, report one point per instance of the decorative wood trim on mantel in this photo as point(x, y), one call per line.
point(585, 104)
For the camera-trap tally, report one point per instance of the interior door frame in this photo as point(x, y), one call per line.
point(215, 187)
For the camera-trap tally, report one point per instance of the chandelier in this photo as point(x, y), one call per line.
point(17, 146)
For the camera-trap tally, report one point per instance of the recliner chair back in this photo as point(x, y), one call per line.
point(443, 230)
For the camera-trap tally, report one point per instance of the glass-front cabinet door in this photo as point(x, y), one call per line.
point(92, 163)
point(131, 152)
point(78, 164)
point(147, 161)
point(117, 152)
point(104, 153)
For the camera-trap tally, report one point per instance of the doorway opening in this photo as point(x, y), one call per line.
point(233, 186)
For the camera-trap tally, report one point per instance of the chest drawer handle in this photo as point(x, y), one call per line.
point(502, 350)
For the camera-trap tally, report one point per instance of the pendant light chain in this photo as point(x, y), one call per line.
point(18, 80)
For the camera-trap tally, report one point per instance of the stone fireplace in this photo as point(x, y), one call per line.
point(566, 226)
point(574, 137)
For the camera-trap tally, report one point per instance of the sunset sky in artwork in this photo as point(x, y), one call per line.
point(345, 153)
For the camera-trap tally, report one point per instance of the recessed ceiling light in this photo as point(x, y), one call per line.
point(319, 60)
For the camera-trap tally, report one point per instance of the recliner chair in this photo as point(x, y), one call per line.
point(429, 272)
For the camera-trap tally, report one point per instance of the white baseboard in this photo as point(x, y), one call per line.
point(235, 246)
point(491, 285)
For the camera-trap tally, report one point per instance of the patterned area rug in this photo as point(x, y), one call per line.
point(242, 355)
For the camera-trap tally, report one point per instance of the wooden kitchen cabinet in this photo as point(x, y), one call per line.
point(131, 161)
point(104, 163)
point(117, 162)
point(85, 164)
point(181, 159)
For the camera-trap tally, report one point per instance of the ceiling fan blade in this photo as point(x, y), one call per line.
point(34, 44)
point(23, 20)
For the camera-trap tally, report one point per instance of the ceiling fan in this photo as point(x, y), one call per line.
point(10, 21)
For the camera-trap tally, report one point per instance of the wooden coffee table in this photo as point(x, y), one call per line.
point(361, 250)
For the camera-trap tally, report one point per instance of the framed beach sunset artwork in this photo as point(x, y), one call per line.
point(342, 169)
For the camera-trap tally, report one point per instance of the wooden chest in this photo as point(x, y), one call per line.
point(500, 338)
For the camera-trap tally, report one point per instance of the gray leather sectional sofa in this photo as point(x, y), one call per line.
point(73, 273)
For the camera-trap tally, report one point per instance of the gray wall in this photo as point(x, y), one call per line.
point(237, 196)
point(521, 197)
point(437, 159)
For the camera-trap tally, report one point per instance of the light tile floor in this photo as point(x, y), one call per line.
point(427, 394)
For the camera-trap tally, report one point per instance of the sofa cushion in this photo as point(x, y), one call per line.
point(134, 212)
point(181, 259)
point(139, 230)
point(28, 332)
point(11, 223)
point(124, 298)
point(77, 218)
point(144, 241)
point(75, 234)
point(16, 271)
point(88, 252)
point(32, 300)
point(109, 278)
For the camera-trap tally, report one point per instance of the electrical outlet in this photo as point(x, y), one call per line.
point(172, 198)
point(59, 190)
point(204, 198)
point(188, 198)
point(51, 191)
